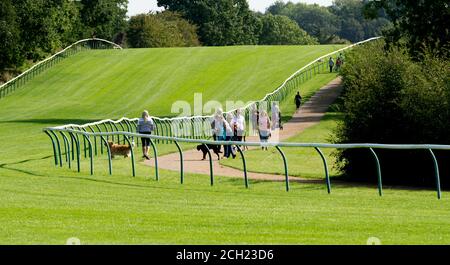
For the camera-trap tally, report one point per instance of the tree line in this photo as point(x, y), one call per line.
point(30, 30)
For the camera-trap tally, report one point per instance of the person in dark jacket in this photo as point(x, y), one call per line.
point(298, 100)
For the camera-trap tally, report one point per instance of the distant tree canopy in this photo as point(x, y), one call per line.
point(32, 29)
point(165, 29)
point(220, 22)
point(422, 25)
point(344, 20)
point(103, 18)
point(281, 30)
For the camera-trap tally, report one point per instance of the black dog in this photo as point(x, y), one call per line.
point(215, 148)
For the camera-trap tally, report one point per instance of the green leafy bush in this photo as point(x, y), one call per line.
point(166, 29)
point(389, 98)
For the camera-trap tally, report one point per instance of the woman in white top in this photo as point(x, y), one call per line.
point(145, 126)
point(264, 127)
point(238, 125)
point(275, 116)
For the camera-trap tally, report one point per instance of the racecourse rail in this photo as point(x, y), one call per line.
point(196, 127)
point(192, 129)
point(72, 151)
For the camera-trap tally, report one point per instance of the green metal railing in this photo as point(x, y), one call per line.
point(52, 133)
point(198, 127)
point(79, 46)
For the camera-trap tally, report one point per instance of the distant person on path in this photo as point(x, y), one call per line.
point(223, 131)
point(254, 119)
point(298, 100)
point(145, 126)
point(331, 64)
point(238, 126)
point(276, 116)
point(338, 64)
point(264, 127)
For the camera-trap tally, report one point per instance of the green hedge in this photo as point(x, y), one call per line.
point(388, 98)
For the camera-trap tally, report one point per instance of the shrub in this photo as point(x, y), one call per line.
point(390, 99)
point(166, 29)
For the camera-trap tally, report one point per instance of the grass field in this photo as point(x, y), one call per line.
point(42, 204)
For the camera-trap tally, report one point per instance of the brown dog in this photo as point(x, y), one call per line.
point(117, 149)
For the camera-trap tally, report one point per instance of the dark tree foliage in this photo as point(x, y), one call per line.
point(343, 20)
point(10, 54)
point(317, 20)
point(165, 29)
point(388, 98)
point(281, 30)
point(103, 18)
point(220, 22)
point(423, 25)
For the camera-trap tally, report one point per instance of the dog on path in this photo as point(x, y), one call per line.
point(204, 148)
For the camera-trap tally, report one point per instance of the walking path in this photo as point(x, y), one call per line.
point(309, 114)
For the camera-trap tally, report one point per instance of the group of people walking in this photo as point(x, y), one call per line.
point(231, 127)
point(336, 66)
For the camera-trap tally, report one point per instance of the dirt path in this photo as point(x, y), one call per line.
point(309, 114)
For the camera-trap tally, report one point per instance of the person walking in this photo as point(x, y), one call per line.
point(264, 127)
point(238, 126)
point(223, 131)
point(145, 126)
point(276, 116)
point(298, 100)
point(331, 64)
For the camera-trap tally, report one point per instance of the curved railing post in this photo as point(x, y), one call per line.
point(54, 147)
point(244, 165)
point(377, 161)
point(91, 155)
point(78, 151)
point(95, 140)
point(84, 144)
point(285, 166)
point(327, 176)
point(211, 171)
point(436, 174)
point(59, 148)
point(133, 169)
point(181, 162)
point(101, 145)
point(66, 142)
point(109, 154)
point(155, 153)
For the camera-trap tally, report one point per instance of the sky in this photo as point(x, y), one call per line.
point(143, 6)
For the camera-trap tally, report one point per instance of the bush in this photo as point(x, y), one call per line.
point(390, 99)
point(166, 29)
point(281, 30)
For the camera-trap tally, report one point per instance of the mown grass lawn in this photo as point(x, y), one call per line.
point(43, 204)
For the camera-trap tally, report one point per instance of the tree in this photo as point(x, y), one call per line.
point(10, 50)
point(166, 29)
point(353, 25)
point(281, 30)
point(220, 22)
point(423, 25)
point(103, 18)
point(45, 26)
point(317, 20)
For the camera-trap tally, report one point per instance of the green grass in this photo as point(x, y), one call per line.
point(43, 204)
